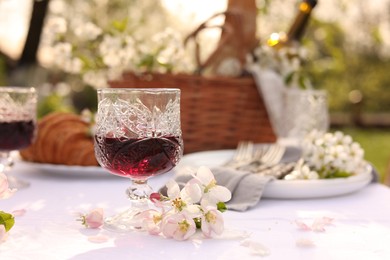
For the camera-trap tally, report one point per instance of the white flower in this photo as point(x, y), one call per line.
point(346, 140)
point(302, 173)
point(212, 193)
point(57, 25)
point(62, 50)
point(212, 222)
point(96, 79)
point(64, 58)
point(100, 36)
point(178, 226)
point(356, 151)
point(185, 199)
point(73, 65)
point(57, 6)
point(114, 73)
point(109, 49)
point(178, 214)
point(286, 61)
point(151, 221)
point(331, 153)
point(88, 31)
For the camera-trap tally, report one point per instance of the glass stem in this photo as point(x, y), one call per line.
point(139, 193)
point(6, 161)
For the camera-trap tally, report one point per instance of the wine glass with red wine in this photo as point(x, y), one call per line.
point(137, 136)
point(17, 126)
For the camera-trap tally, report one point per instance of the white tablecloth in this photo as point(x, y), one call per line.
point(49, 230)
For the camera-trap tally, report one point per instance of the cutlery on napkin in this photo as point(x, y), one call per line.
point(246, 187)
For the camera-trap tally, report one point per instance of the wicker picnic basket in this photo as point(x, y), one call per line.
point(216, 112)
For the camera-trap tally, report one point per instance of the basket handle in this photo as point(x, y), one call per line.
point(238, 36)
point(194, 36)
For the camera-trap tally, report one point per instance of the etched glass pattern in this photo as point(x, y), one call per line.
point(135, 119)
point(135, 114)
point(17, 104)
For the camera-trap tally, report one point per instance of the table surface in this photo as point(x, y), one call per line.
point(48, 229)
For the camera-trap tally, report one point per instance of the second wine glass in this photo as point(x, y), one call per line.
point(17, 127)
point(138, 135)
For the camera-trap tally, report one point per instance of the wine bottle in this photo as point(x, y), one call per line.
point(297, 29)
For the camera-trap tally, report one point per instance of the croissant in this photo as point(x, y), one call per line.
point(62, 138)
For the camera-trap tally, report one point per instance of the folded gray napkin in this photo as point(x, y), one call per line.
point(246, 188)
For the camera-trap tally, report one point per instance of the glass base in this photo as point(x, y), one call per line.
point(124, 222)
point(6, 164)
point(15, 183)
point(129, 220)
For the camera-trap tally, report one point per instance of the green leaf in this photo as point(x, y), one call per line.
point(338, 174)
point(302, 82)
point(198, 223)
point(221, 206)
point(288, 79)
point(7, 220)
point(120, 25)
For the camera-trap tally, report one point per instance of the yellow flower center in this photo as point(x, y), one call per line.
point(211, 218)
point(183, 226)
point(211, 185)
point(179, 204)
point(157, 218)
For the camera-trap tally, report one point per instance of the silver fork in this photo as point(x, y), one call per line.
point(274, 154)
point(242, 156)
point(270, 157)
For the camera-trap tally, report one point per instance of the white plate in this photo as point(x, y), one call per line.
point(281, 189)
point(68, 171)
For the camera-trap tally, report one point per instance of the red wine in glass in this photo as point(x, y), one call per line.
point(17, 126)
point(137, 135)
point(16, 135)
point(139, 158)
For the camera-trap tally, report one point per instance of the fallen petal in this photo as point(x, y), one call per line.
point(320, 223)
point(327, 220)
point(18, 212)
point(302, 225)
point(304, 242)
point(98, 239)
point(255, 247)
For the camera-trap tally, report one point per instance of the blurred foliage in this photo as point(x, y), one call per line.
point(85, 99)
point(51, 103)
point(344, 58)
point(78, 99)
point(340, 68)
